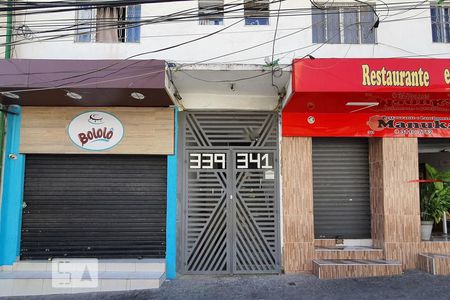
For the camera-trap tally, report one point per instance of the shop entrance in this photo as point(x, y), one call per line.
point(230, 198)
point(436, 153)
point(100, 206)
point(341, 188)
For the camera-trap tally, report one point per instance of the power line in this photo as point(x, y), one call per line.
point(273, 49)
point(107, 27)
point(52, 37)
point(152, 52)
point(396, 5)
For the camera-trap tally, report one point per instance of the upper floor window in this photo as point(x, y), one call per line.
point(210, 12)
point(343, 24)
point(256, 12)
point(440, 23)
point(109, 24)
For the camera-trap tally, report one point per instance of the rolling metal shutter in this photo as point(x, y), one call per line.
point(341, 188)
point(434, 145)
point(103, 206)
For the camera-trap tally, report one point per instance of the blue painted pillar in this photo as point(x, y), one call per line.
point(12, 195)
point(171, 230)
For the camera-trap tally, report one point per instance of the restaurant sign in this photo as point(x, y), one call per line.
point(95, 130)
point(365, 125)
point(369, 97)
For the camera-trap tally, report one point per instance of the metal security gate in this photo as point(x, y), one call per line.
point(102, 206)
point(230, 201)
point(341, 188)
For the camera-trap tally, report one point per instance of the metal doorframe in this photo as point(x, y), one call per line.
point(182, 181)
point(277, 202)
point(228, 191)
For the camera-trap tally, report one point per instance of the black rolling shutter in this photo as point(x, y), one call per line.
point(341, 188)
point(430, 145)
point(103, 206)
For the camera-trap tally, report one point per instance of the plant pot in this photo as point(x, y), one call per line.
point(426, 227)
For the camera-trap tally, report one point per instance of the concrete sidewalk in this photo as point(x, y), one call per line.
point(412, 285)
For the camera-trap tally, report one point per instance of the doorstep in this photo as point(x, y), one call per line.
point(349, 268)
point(348, 252)
point(28, 278)
point(436, 264)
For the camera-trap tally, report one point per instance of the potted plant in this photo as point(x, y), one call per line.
point(434, 200)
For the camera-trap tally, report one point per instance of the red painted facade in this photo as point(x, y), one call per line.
point(369, 98)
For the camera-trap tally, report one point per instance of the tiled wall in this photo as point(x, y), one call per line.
point(394, 200)
point(298, 222)
point(395, 204)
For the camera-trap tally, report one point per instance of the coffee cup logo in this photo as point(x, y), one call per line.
point(95, 119)
point(95, 131)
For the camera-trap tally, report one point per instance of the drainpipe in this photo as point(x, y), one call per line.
point(8, 32)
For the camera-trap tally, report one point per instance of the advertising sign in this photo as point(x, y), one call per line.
point(365, 125)
point(369, 97)
point(95, 130)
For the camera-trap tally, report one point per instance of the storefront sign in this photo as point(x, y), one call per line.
point(95, 130)
point(365, 125)
point(369, 97)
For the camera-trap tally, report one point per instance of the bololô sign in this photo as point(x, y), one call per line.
point(95, 130)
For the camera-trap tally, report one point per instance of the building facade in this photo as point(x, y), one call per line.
point(241, 136)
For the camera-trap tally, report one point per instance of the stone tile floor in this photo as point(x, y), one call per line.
point(412, 285)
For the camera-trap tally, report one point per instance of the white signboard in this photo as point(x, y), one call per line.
point(95, 130)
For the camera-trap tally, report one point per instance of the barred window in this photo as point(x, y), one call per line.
point(109, 24)
point(343, 24)
point(210, 12)
point(440, 23)
point(256, 12)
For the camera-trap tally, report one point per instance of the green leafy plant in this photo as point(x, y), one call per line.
point(435, 195)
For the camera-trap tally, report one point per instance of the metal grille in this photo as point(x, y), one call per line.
point(207, 227)
point(256, 223)
point(341, 188)
point(231, 214)
point(230, 129)
point(103, 206)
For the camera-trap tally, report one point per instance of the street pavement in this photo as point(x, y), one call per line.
point(412, 285)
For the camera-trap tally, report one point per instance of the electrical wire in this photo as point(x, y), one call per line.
point(396, 5)
point(71, 29)
point(114, 25)
point(273, 49)
point(241, 50)
point(96, 71)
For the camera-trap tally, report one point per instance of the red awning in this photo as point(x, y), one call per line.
point(369, 97)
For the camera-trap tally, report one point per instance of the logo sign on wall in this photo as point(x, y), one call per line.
point(95, 130)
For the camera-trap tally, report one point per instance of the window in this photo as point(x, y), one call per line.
point(440, 24)
point(345, 24)
point(109, 24)
point(210, 12)
point(256, 12)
